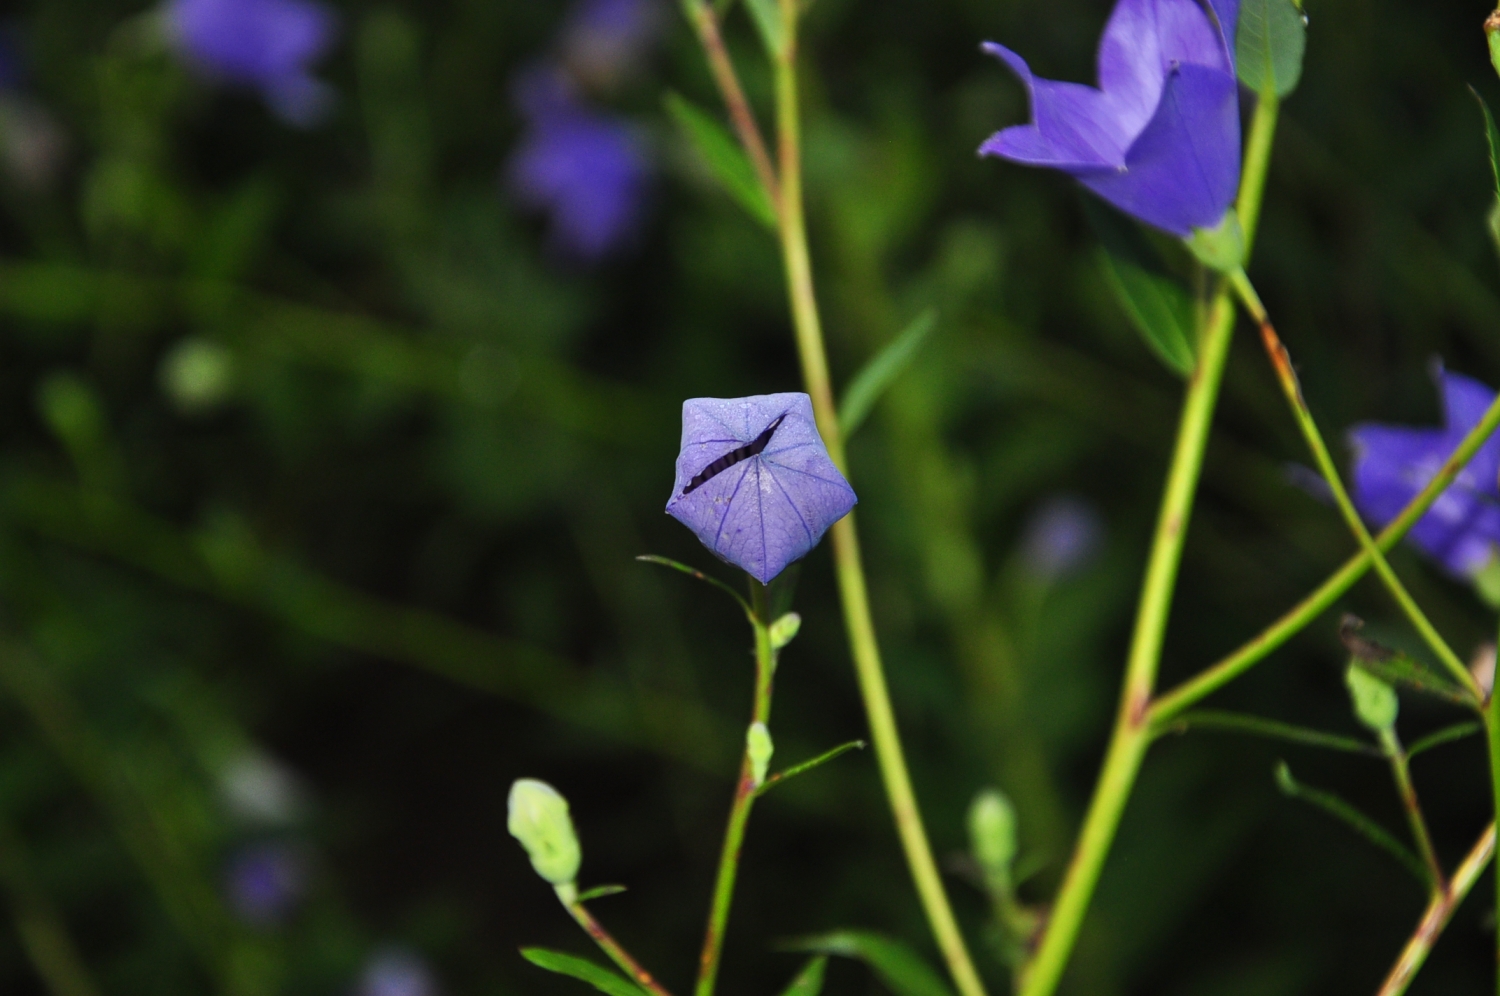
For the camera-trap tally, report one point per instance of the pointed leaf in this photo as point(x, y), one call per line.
point(1492, 139)
point(1446, 735)
point(901, 969)
point(871, 382)
point(1357, 821)
point(723, 155)
point(603, 979)
point(599, 892)
point(1269, 45)
point(806, 766)
point(1157, 304)
point(692, 572)
point(809, 981)
point(767, 17)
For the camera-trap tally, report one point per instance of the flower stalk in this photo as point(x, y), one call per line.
point(568, 896)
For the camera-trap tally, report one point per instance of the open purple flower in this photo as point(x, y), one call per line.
point(755, 482)
point(585, 169)
point(1160, 137)
point(269, 45)
point(1393, 463)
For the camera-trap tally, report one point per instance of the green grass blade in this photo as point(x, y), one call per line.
point(871, 382)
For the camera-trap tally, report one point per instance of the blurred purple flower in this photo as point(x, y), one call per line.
point(1160, 137)
point(268, 45)
point(605, 40)
point(755, 482)
point(265, 882)
point(1061, 536)
point(397, 973)
point(1393, 463)
point(586, 170)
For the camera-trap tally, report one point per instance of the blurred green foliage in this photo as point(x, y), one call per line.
point(313, 453)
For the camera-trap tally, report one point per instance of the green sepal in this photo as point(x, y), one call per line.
point(1221, 248)
point(1157, 304)
point(901, 969)
point(1269, 45)
point(723, 156)
point(603, 979)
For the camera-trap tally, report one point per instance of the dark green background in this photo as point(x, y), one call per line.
point(399, 556)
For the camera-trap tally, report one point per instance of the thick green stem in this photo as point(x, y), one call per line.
point(744, 799)
point(1437, 914)
point(848, 566)
point(568, 895)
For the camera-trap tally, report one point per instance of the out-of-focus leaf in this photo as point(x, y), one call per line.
point(901, 969)
point(1492, 138)
point(1269, 45)
point(599, 892)
point(1157, 304)
point(767, 17)
point(601, 978)
point(871, 382)
point(809, 981)
point(724, 157)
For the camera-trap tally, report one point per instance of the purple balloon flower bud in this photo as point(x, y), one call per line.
point(1393, 463)
point(755, 482)
point(1160, 137)
point(268, 45)
point(265, 882)
point(586, 170)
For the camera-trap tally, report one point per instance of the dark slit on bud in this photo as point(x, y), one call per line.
point(723, 463)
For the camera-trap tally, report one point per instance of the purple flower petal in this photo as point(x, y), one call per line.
point(1182, 171)
point(1228, 14)
point(757, 510)
point(1073, 126)
point(1144, 41)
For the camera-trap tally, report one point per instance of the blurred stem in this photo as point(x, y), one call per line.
point(1171, 704)
point(1134, 726)
point(846, 553)
point(1437, 914)
point(617, 954)
point(1282, 363)
point(744, 798)
point(1492, 724)
point(1401, 771)
point(44, 935)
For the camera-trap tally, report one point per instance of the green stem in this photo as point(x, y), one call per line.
point(1170, 704)
point(848, 565)
point(1257, 163)
point(1287, 378)
point(1401, 771)
point(1437, 914)
point(744, 799)
point(1492, 724)
point(611, 947)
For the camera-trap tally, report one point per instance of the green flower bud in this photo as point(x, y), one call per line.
point(1375, 702)
point(992, 835)
point(539, 820)
point(758, 745)
point(784, 630)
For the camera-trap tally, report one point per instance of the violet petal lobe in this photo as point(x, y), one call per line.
point(1073, 126)
point(1393, 463)
point(1182, 171)
point(1142, 43)
point(757, 510)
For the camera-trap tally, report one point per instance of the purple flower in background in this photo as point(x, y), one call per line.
point(584, 169)
point(397, 973)
point(1160, 137)
point(265, 882)
point(268, 45)
point(755, 482)
point(1393, 463)
point(1061, 536)
point(605, 40)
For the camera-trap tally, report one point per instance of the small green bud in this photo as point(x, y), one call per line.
point(198, 375)
point(758, 745)
point(1222, 247)
point(992, 835)
point(1492, 32)
point(784, 630)
point(538, 818)
point(1375, 702)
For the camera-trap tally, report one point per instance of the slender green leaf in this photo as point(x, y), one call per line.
point(767, 17)
point(1157, 304)
point(599, 892)
point(901, 969)
point(723, 155)
point(1269, 45)
point(809, 981)
point(1393, 666)
point(1446, 735)
point(1359, 822)
point(1213, 719)
point(603, 979)
point(1492, 138)
point(871, 382)
point(806, 766)
point(693, 572)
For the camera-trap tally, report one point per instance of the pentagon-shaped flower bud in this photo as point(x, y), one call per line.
point(784, 630)
point(992, 835)
point(1375, 702)
point(758, 745)
point(538, 818)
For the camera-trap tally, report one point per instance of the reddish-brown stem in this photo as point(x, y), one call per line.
point(611, 947)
